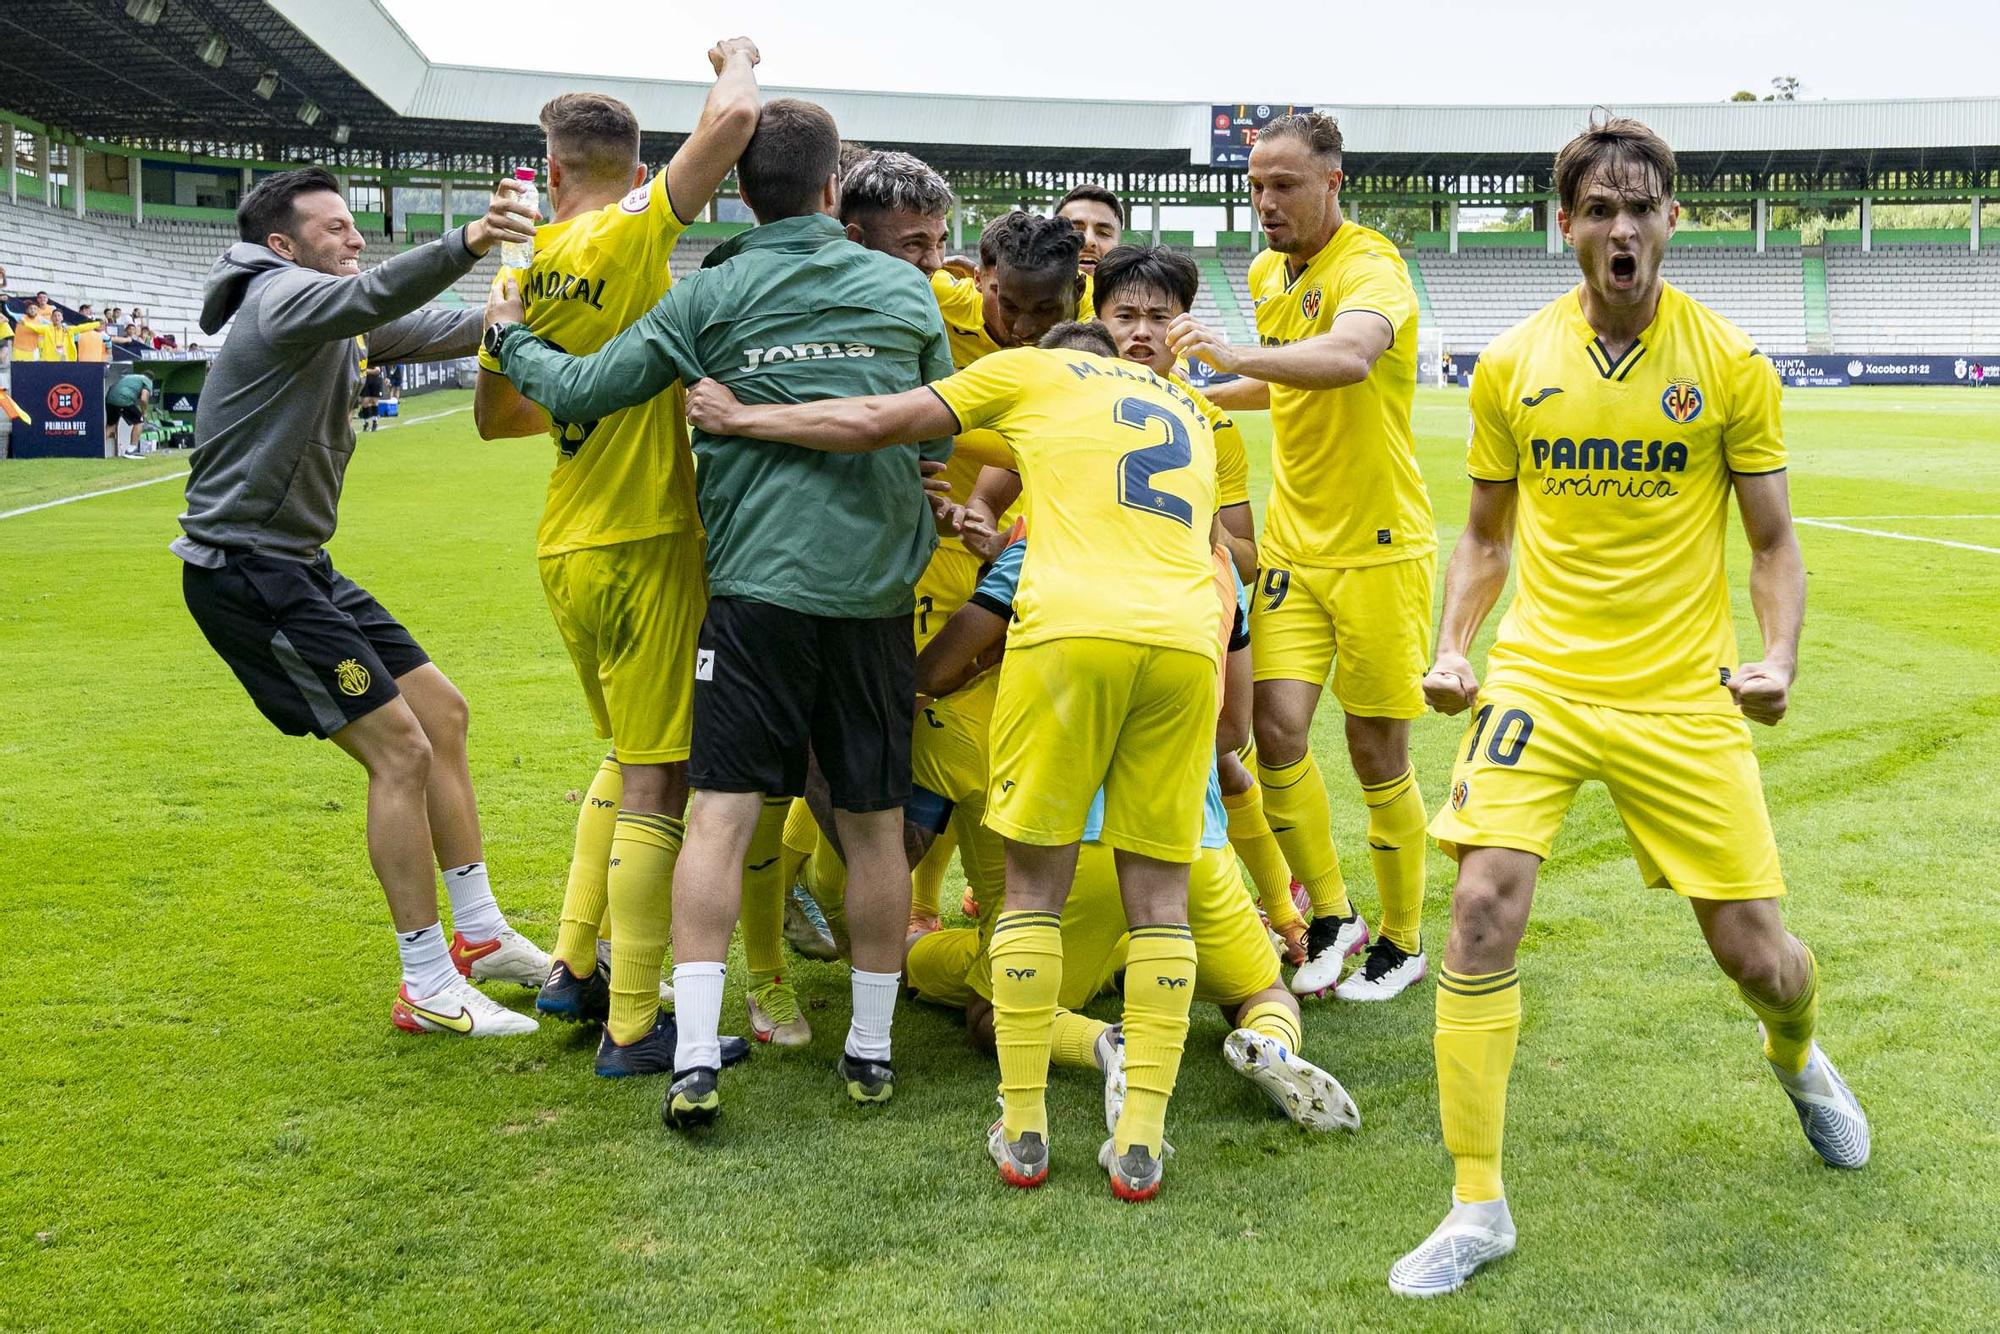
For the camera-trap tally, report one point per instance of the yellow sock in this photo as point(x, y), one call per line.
point(1159, 989)
point(1396, 842)
point(763, 915)
point(1027, 963)
point(1788, 1029)
point(801, 836)
point(583, 908)
point(1250, 835)
point(826, 877)
point(1478, 1023)
point(937, 964)
point(642, 917)
point(1073, 1039)
point(1274, 1019)
point(1295, 805)
point(927, 880)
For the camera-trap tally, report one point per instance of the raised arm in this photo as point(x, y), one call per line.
point(1777, 593)
point(728, 119)
point(306, 307)
point(835, 425)
point(1472, 584)
point(1345, 354)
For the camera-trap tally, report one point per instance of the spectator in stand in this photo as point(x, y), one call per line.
point(148, 340)
point(90, 343)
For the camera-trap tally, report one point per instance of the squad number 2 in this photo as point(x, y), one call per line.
point(1137, 468)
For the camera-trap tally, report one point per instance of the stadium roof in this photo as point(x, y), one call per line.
point(88, 67)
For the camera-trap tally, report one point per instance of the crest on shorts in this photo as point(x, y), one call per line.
point(1681, 401)
point(351, 677)
point(1461, 792)
point(1309, 303)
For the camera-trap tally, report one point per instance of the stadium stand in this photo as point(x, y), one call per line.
point(1913, 298)
point(1479, 292)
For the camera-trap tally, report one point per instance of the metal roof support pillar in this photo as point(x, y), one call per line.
point(444, 203)
point(1867, 224)
point(957, 226)
point(1976, 202)
point(14, 185)
point(1547, 209)
point(1156, 222)
point(77, 188)
point(45, 155)
point(1451, 227)
point(248, 181)
point(1763, 212)
point(138, 169)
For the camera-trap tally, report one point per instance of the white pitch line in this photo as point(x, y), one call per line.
point(109, 490)
point(1900, 537)
point(182, 472)
point(1884, 518)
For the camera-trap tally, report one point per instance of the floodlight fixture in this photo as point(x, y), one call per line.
point(214, 49)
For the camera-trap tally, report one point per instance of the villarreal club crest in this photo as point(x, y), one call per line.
point(1681, 401)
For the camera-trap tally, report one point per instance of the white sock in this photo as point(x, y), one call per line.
point(427, 966)
point(474, 914)
point(874, 1008)
point(698, 1012)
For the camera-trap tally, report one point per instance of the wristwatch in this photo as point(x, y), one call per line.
point(496, 334)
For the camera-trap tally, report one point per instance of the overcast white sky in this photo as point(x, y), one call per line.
point(1503, 51)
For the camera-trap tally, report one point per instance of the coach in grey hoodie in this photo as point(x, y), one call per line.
point(316, 652)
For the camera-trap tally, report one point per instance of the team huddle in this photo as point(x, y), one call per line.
point(868, 556)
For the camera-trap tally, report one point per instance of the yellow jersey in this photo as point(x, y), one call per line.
point(1623, 471)
point(1345, 490)
point(631, 475)
point(1118, 475)
point(1232, 458)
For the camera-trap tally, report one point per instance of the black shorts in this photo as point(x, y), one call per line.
point(771, 683)
point(129, 413)
point(314, 650)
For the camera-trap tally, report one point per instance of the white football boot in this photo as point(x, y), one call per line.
point(460, 1008)
point(1470, 1235)
point(508, 957)
point(1306, 1094)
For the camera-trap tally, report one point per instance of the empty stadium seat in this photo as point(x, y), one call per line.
point(1478, 293)
point(1913, 298)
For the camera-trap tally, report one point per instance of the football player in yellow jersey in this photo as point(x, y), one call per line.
point(1235, 968)
point(620, 543)
point(1118, 468)
point(1140, 291)
point(1349, 542)
point(1099, 218)
point(1608, 431)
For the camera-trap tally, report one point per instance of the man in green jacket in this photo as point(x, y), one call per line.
point(811, 560)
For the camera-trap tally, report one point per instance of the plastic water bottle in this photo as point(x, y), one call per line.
point(517, 255)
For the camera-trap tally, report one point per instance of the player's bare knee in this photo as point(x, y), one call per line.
point(1280, 739)
point(1758, 965)
point(1379, 748)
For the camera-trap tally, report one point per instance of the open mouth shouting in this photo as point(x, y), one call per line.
point(1624, 272)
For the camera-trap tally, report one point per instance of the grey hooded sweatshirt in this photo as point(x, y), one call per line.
point(273, 431)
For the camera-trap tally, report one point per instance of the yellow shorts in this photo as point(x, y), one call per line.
point(946, 583)
point(630, 615)
point(948, 743)
point(1234, 959)
point(1369, 625)
point(1685, 786)
point(1074, 715)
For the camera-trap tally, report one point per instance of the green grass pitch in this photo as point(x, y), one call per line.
point(208, 1120)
